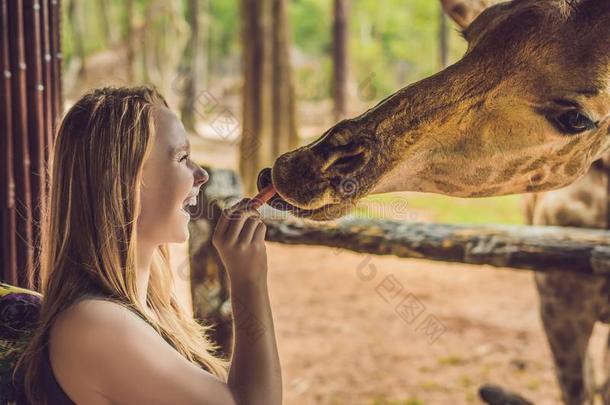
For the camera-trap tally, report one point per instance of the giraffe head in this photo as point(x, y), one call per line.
point(526, 109)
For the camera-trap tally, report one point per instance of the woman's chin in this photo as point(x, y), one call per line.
point(182, 233)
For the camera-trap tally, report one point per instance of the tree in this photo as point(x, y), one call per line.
point(443, 35)
point(268, 126)
point(128, 36)
point(194, 63)
point(108, 29)
point(340, 74)
point(75, 20)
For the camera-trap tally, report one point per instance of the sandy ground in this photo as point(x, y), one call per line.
point(345, 338)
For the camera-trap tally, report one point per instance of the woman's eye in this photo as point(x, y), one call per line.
point(574, 122)
point(184, 158)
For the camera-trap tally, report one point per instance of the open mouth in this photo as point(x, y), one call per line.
point(190, 201)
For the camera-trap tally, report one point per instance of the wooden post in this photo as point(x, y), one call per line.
point(209, 281)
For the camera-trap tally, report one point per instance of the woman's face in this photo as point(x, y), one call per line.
point(169, 179)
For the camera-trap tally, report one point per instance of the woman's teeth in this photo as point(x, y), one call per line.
point(190, 202)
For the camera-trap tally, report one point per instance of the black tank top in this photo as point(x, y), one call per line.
point(56, 395)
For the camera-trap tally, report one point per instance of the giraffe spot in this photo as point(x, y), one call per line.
point(572, 168)
point(486, 192)
point(531, 188)
point(566, 217)
point(446, 187)
point(479, 176)
point(567, 148)
point(536, 164)
point(512, 168)
point(442, 170)
point(584, 196)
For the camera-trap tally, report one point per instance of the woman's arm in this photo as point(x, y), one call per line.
point(255, 376)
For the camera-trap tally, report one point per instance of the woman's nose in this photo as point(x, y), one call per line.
point(201, 176)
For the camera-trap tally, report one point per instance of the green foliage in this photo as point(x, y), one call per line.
point(224, 28)
point(311, 24)
point(391, 42)
point(439, 208)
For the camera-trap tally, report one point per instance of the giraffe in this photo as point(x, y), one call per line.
point(570, 305)
point(526, 110)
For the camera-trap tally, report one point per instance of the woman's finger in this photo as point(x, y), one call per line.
point(235, 208)
point(236, 224)
point(259, 233)
point(221, 225)
point(248, 229)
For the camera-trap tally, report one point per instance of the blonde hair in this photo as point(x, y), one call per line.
point(88, 230)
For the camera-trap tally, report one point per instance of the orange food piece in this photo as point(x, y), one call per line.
point(263, 196)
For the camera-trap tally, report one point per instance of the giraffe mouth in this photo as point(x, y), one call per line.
point(324, 212)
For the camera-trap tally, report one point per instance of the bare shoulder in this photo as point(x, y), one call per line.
point(99, 347)
point(80, 336)
point(94, 313)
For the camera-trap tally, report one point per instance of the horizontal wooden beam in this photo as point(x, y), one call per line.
point(585, 251)
point(537, 248)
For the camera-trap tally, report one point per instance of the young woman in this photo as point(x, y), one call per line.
point(111, 330)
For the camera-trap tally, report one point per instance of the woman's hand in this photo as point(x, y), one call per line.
point(239, 237)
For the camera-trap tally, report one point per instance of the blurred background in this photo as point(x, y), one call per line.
point(253, 79)
point(388, 45)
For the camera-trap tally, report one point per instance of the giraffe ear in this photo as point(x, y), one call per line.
point(464, 12)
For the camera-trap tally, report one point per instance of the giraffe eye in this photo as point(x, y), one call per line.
point(574, 122)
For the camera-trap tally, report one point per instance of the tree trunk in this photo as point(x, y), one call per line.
point(194, 64)
point(339, 83)
point(284, 125)
point(443, 36)
point(108, 29)
point(268, 126)
point(75, 21)
point(128, 33)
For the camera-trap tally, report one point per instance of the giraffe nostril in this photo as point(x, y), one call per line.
point(345, 164)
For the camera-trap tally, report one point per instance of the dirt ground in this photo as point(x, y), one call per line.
point(345, 338)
